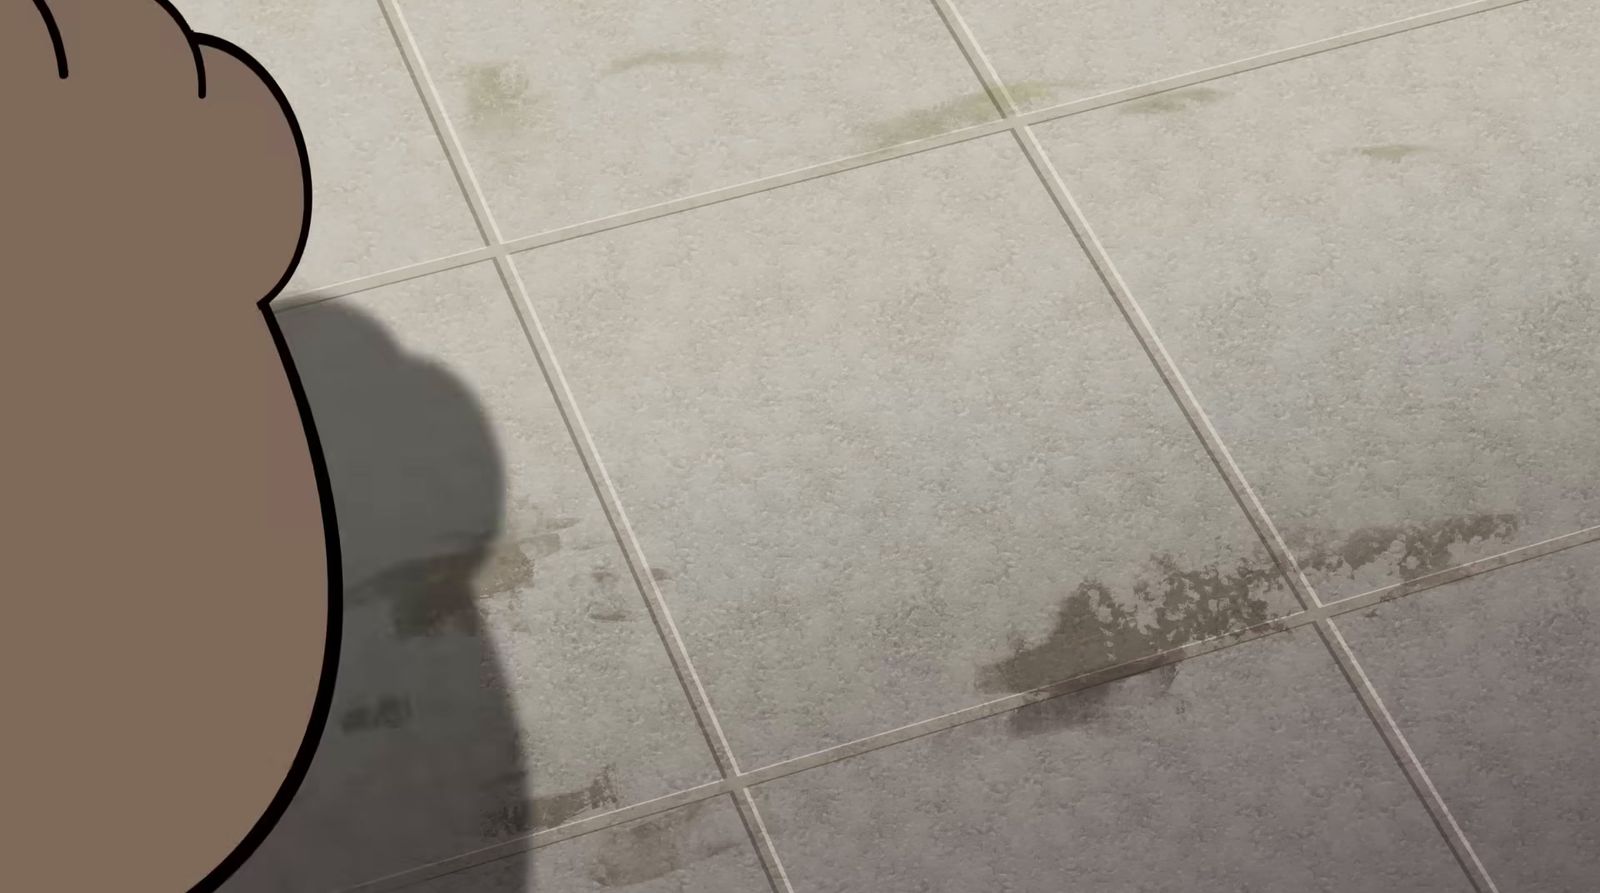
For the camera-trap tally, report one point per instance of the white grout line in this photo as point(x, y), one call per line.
point(975, 713)
point(1248, 500)
point(888, 153)
point(1460, 846)
point(605, 489)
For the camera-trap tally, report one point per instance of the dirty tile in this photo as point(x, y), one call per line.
point(1376, 267)
point(572, 111)
point(384, 195)
point(499, 673)
point(1049, 52)
point(700, 848)
point(1209, 776)
point(1494, 682)
point(891, 449)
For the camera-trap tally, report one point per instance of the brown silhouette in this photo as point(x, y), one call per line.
point(171, 555)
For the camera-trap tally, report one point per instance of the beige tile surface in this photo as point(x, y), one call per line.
point(1377, 269)
point(573, 111)
point(1049, 52)
point(891, 449)
point(383, 194)
point(1494, 681)
point(499, 673)
point(1253, 768)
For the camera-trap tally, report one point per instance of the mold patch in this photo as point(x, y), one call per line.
point(661, 846)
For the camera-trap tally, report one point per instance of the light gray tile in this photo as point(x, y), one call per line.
point(1377, 268)
point(1050, 52)
point(572, 111)
point(383, 193)
point(1253, 768)
point(891, 449)
point(700, 848)
point(1494, 681)
point(499, 672)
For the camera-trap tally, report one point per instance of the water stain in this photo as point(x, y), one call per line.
point(1173, 101)
point(657, 847)
point(431, 594)
point(550, 811)
point(498, 97)
point(954, 114)
point(388, 712)
point(1094, 629)
point(608, 615)
point(660, 574)
point(673, 58)
point(1393, 153)
point(1411, 550)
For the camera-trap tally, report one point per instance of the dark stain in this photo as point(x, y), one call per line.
point(954, 114)
point(1174, 101)
point(551, 811)
point(659, 846)
point(660, 574)
point(431, 594)
point(388, 712)
point(607, 615)
point(1418, 549)
point(1393, 153)
point(673, 58)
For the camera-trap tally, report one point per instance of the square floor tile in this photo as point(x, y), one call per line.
point(1377, 268)
point(891, 449)
point(1049, 52)
point(572, 111)
point(383, 194)
point(499, 673)
point(700, 848)
point(1494, 681)
point(1214, 775)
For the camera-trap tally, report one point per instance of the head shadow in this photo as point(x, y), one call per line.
point(422, 740)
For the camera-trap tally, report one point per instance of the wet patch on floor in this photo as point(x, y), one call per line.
point(965, 111)
point(1407, 550)
point(527, 815)
point(1095, 629)
point(669, 58)
point(1173, 101)
point(660, 846)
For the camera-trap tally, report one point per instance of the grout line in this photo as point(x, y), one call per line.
point(1460, 846)
point(1212, 441)
point(605, 489)
point(975, 713)
point(888, 153)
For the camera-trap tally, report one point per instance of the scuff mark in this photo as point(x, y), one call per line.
point(527, 815)
point(709, 58)
point(660, 846)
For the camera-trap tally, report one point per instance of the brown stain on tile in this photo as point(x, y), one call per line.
point(669, 58)
point(954, 114)
point(1094, 629)
point(527, 815)
point(387, 712)
point(498, 98)
point(1413, 550)
point(1394, 153)
point(660, 846)
point(1173, 101)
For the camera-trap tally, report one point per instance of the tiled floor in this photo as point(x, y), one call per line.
point(951, 445)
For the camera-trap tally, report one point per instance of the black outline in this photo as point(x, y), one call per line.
point(323, 702)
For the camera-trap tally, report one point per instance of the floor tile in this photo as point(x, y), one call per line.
point(891, 449)
point(1494, 682)
point(1214, 775)
point(572, 111)
point(499, 673)
point(1377, 269)
point(700, 848)
point(384, 195)
point(1049, 52)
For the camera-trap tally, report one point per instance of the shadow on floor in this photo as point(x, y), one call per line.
point(422, 741)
